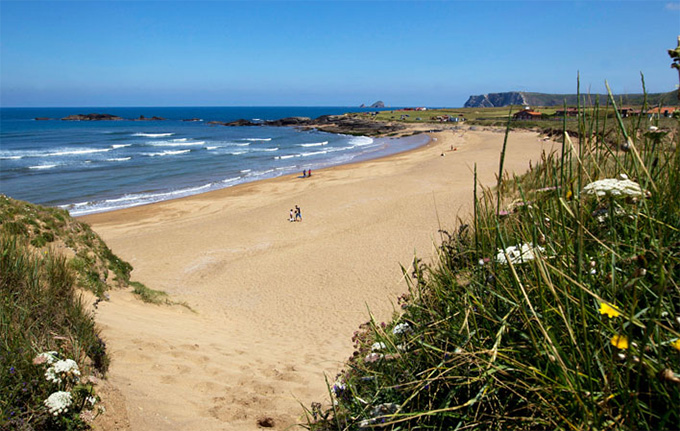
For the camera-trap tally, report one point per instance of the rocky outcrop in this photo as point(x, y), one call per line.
point(378, 104)
point(92, 117)
point(237, 123)
point(495, 100)
point(351, 125)
point(107, 117)
point(289, 121)
point(154, 118)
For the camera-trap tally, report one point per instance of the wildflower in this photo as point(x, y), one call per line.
point(517, 255)
point(669, 375)
point(58, 402)
point(620, 342)
point(12, 370)
point(87, 416)
point(614, 187)
point(609, 310)
point(378, 346)
point(676, 344)
point(338, 388)
point(402, 328)
point(46, 358)
point(373, 357)
point(63, 369)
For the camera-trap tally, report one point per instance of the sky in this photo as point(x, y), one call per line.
point(327, 53)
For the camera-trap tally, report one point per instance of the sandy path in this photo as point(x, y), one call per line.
point(277, 302)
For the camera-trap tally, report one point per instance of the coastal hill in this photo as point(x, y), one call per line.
point(497, 100)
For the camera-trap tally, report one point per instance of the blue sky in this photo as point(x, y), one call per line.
point(325, 53)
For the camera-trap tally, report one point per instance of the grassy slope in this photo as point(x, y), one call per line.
point(46, 259)
point(584, 334)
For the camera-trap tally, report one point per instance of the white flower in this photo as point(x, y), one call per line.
point(517, 254)
point(614, 187)
point(378, 346)
point(91, 400)
point(401, 328)
point(46, 358)
point(66, 368)
point(58, 402)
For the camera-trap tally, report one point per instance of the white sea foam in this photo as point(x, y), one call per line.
point(245, 171)
point(211, 148)
point(289, 156)
point(256, 139)
point(168, 153)
point(11, 157)
point(119, 159)
point(230, 180)
point(237, 153)
point(314, 153)
point(243, 145)
point(117, 146)
point(153, 135)
point(173, 143)
point(77, 152)
point(266, 149)
point(42, 167)
point(315, 144)
point(360, 141)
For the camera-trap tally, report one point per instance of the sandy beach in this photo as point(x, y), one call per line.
point(276, 303)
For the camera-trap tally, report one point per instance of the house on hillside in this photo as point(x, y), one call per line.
point(666, 111)
point(569, 112)
point(527, 114)
point(626, 111)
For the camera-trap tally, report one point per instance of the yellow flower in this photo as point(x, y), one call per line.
point(620, 341)
point(676, 344)
point(609, 310)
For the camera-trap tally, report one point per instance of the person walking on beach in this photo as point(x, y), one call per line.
point(292, 217)
point(304, 173)
point(298, 213)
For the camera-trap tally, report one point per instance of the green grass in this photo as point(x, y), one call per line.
point(40, 311)
point(484, 342)
point(45, 258)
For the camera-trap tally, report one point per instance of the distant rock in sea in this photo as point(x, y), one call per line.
point(378, 104)
point(92, 117)
point(154, 118)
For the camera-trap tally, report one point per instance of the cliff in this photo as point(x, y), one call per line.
point(496, 100)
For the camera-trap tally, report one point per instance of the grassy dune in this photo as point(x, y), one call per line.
point(50, 348)
point(556, 306)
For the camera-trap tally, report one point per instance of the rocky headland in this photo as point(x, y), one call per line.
point(348, 124)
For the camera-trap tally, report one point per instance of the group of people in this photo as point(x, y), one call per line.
point(306, 173)
point(295, 215)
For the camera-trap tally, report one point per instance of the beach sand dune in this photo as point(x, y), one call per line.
point(276, 303)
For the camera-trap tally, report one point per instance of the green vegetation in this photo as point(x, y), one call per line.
point(40, 311)
point(153, 296)
point(556, 307)
point(97, 268)
point(50, 348)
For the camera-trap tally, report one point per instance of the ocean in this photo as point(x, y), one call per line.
point(96, 166)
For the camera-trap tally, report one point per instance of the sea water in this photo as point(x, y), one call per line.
point(96, 166)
